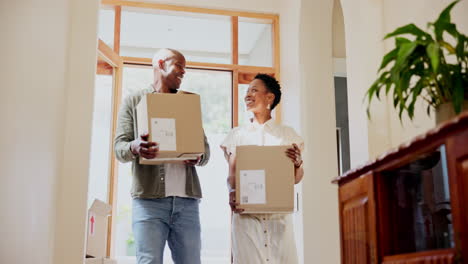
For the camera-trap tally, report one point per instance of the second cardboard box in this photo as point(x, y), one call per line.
point(264, 179)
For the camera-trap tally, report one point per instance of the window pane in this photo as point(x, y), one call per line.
point(135, 79)
point(106, 25)
point(214, 88)
point(100, 139)
point(200, 37)
point(255, 43)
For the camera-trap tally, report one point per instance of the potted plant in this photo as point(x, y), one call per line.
point(430, 65)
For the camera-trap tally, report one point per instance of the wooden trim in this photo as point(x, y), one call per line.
point(235, 98)
point(358, 236)
point(117, 24)
point(457, 161)
point(235, 39)
point(188, 9)
point(276, 62)
point(206, 65)
point(103, 68)
point(108, 54)
point(431, 138)
point(113, 181)
point(276, 47)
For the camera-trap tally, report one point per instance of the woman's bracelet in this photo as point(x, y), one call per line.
point(298, 166)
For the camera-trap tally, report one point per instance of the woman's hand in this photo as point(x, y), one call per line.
point(233, 204)
point(294, 154)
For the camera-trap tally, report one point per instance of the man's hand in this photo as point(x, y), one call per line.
point(144, 148)
point(192, 162)
point(233, 204)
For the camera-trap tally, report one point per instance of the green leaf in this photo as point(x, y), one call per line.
point(443, 22)
point(434, 55)
point(371, 91)
point(460, 48)
point(444, 16)
point(388, 58)
point(415, 91)
point(401, 40)
point(411, 29)
point(458, 94)
point(403, 53)
point(452, 30)
point(448, 47)
point(408, 29)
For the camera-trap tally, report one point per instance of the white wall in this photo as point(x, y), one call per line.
point(37, 42)
point(321, 231)
point(366, 22)
point(291, 89)
point(363, 29)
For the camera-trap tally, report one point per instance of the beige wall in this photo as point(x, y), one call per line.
point(363, 29)
point(338, 31)
point(72, 193)
point(31, 108)
point(320, 213)
point(42, 86)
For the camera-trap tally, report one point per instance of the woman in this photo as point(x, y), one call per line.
point(262, 238)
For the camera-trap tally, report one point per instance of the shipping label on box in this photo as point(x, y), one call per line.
point(174, 122)
point(264, 179)
point(252, 187)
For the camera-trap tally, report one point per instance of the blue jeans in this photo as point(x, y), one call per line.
point(172, 219)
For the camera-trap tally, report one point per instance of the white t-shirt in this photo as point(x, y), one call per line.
point(175, 180)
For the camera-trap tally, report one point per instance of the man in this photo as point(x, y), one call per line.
point(165, 197)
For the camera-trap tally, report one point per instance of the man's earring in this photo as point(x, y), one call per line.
point(268, 107)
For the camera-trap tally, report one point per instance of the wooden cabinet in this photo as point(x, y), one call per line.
point(410, 205)
point(357, 208)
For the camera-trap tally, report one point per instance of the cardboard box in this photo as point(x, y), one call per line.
point(96, 236)
point(174, 122)
point(99, 261)
point(264, 179)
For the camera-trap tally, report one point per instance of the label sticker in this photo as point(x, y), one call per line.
point(163, 131)
point(252, 187)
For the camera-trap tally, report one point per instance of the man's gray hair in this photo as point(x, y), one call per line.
point(164, 54)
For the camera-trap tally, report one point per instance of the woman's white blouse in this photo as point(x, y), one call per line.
point(262, 238)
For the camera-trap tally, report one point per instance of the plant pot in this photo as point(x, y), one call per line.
point(445, 112)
